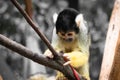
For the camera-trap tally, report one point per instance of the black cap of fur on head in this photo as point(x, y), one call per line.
point(66, 21)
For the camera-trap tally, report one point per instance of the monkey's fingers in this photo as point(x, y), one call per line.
point(66, 63)
point(48, 54)
point(67, 58)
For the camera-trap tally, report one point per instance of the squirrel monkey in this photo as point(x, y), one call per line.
point(71, 36)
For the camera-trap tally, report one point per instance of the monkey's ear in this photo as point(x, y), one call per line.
point(55, 15)
point(79, 18)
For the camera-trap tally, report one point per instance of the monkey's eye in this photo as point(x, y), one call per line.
point(63, 34)
point(69, 34)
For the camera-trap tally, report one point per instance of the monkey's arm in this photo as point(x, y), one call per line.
point(77, 58)
point(84, 35)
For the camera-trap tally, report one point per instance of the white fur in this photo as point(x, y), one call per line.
point(55, 15)
point(79, 18)
point(81, 22)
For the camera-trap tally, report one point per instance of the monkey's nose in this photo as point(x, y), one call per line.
point(70, 39)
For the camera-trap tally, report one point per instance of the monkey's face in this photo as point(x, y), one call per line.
point(68, 36)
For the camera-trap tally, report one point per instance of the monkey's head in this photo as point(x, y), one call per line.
point(66, 27)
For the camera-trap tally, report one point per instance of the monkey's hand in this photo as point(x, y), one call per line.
point(48, 54)
point(76, 58)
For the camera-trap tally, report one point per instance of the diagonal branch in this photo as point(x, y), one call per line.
point(12, 45)
point(29, 20)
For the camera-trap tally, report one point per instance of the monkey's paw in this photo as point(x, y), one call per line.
point(48, 54)
point(67, 58)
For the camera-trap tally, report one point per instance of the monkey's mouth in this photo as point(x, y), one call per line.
point(69, 39)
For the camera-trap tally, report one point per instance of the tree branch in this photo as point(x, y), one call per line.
point(28, 7)
point(29, 20)
point(12, 45)
point(110, 69)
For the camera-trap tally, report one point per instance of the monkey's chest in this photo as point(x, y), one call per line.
point(66, 50)
point(68, 47)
